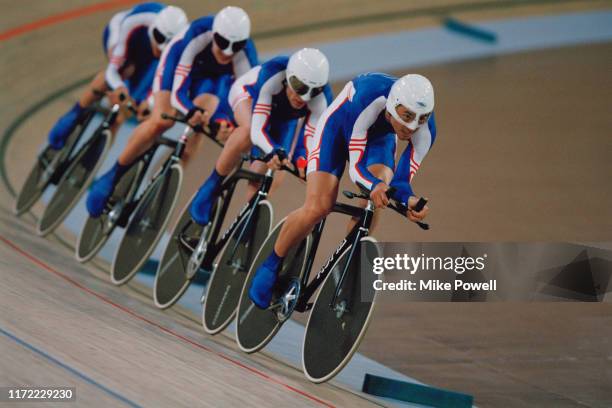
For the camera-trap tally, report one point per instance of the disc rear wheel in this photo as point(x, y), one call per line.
point(333, 333)
point(256, 327)
point(227, 280)
point(147, 225)
point(171, 279)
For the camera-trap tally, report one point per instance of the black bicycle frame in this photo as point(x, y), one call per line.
point(228, 186)
point(352, 239)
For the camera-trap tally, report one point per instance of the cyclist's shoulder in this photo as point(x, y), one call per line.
point(369, 88)
point(372, 85)
point(274, 65)
point(147, 7)
point(199, 26)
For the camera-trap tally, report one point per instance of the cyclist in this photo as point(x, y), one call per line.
point(361, 126)
point(267, 103)
point(133, 41)
point(194, 75)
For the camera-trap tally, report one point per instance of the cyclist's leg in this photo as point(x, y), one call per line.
point(327, 161)
point(147, 132)
point(68, 122)
point(142, 139)
point(380, 160)
point(238, 142)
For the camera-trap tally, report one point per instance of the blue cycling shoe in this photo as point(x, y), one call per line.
point(102, 189)
point(263, 282)
point(202, 203)
point(64, 127)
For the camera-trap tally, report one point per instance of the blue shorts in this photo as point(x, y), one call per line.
point(331, 152)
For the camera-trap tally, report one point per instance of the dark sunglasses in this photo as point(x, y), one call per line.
point(159, 37)
point(302, 89)
point(223, 43)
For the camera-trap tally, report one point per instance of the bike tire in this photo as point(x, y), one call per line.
point(255, 327)
point(139, 239)
point(74, 182)
point(331, 340)
point(96, 231)
point(228, 277)
point(171, 281)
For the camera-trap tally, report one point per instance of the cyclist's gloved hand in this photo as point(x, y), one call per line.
point(144, 111)
point(196, 117)
point(277, 158)
point(379, 195)
point(119, 96)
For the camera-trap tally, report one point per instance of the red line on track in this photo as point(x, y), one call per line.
point(73, 282)
point(64, 16)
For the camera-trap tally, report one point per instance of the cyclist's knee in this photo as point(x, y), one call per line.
point(315, 211)
point(159, 125)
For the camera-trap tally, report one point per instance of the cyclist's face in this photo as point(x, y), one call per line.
point(220, 56)
point(402, 132)
point(155, 48)
point(294, 99)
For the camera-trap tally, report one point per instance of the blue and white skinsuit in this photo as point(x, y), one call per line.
point(274, 123)
point(189, 69)
point(127, 44)
point(354, 128)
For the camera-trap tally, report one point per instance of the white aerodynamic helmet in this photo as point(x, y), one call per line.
point(168, 22)
point(308, 73)
point(231, 28)
point(415, 93)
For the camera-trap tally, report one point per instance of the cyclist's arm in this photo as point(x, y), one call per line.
point(180, 86)
point(245, 59)
point(119, 54)
point(118, 58)
point(411, 160)
point(316, 107)
point(262, 111)
point(300, 144)
point(358, 170)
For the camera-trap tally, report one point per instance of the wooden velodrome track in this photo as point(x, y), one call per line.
point(119, 350)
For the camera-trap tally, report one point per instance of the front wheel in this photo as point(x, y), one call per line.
point(256, 327)
point(96, 231)
point(227, 279)
point(74, 182)
point(333, 333)
point(171, 279)
point(147, 224)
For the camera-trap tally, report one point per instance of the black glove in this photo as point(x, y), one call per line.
point(192, 112)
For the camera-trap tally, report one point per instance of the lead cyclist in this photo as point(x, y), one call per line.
point(361, 126)
point(133, 41)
